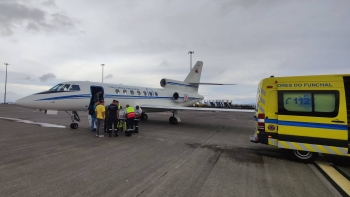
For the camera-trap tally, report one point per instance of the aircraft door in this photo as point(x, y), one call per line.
point(150, 93)
point(94, 90)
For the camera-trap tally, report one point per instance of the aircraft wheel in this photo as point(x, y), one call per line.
point(173, 120)
point(144, 117)
point(305, 156)
point(74, 126)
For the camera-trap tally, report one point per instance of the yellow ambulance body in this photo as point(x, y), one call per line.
point(306, 114)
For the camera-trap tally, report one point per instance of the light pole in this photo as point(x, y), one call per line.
point(5, 82)
point(102, 71)
point(191, 52)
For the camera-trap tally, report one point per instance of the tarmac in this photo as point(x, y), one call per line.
point(207, 154)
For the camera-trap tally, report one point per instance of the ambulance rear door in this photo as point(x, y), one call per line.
point(347, 98)
point(313, 119)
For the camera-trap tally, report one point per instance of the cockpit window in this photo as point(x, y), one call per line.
point(64, 87)
point(74, 87)
point(56, 87)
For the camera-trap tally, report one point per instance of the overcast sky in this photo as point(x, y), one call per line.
point(142, 41)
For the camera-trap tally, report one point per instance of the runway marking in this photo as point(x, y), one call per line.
point(32, 122)
point(342, 182)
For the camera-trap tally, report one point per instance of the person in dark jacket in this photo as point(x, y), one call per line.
point(98, 96)
point(113, 116)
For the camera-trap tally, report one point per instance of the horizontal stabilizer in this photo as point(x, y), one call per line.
point(212, 84)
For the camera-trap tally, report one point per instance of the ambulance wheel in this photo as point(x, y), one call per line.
point(305, 156)
point(74, 126)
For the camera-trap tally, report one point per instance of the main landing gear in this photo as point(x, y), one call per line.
point(175, 119)
point(74, 117)
point(144, 116)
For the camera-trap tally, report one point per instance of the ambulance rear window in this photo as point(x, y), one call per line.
point(297, 101)
point(324, 102)
point(308, 103)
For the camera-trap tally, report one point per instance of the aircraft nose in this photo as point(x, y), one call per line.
point(24, 102)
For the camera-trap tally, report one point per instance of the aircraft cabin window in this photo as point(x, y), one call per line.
point(75, 87)
point(124, 91)
point(145, 93)
point(117, 91)
point(138, 92)
point(132, 92)
point(150, 93)
point(156, 93)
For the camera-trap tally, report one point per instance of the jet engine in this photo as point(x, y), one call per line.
point(176, 97)
point(167, 83)
point(181, 89)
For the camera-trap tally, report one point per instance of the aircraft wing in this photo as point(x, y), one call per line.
point(145, 107)
point(212, 83)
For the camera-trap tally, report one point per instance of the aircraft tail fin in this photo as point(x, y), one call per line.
point(195, 74)
point(193, 77)
point(191, 83)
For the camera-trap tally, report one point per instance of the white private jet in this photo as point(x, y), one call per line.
point(78, 96)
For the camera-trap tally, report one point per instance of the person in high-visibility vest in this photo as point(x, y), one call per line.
point(121, 122)
point(130, 116)
point(117, 104)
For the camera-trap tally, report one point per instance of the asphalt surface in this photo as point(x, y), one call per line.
point(207, 154)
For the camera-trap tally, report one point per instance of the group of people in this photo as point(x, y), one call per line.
point(108, 118)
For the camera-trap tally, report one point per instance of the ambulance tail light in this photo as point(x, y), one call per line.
point(261, 122)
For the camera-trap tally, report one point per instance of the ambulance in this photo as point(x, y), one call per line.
point(306, 115)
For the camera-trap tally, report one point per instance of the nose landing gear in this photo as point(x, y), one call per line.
point(74, 117)
point(74, 125)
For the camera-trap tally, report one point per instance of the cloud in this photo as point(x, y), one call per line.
point(49, 3)
point(239, 41)
point(110, 76)
point(29, 79)
point(47, 77)
point(15, 16)
point(164, 64)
